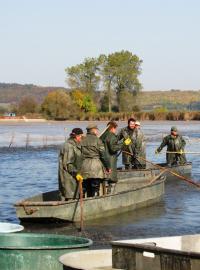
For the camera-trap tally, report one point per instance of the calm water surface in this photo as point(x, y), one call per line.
point(24, 172)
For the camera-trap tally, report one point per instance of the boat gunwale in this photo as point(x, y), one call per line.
point(25, 203)
point(163, 165)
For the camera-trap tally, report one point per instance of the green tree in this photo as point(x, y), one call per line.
point(120, 71)
point(126, 101)
point(84, 76)
point(57, 105)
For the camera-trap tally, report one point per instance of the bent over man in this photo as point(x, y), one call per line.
point(95, 163)
point(70, 161)
point(175, 143)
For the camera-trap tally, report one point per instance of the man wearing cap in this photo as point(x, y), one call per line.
point(112, 146)
point(137, 146)
point(95, 162)
point(174, 143)
point(70, 161)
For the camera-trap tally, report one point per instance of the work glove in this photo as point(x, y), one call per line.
point(79, 177)
point(181, 152)
point(127, 141)
point(156, 152)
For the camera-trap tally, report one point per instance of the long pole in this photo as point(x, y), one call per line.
point(99, 136)
point(81, 205)
point(167, 170)
point(178, 152)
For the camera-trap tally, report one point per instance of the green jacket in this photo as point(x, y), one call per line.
point(94, 156)
point(112, 146)
point(137, 147)
point(70, 161)
point(174, 144)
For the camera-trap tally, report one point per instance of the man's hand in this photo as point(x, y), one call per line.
point(156, 152)
point(127, 141)
point(79, 177)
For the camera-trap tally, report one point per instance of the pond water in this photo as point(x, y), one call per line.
point(29, 166)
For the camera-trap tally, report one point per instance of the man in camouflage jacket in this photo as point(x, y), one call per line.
point(174, 143)
point(137, 148)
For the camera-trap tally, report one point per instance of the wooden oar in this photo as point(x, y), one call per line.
point(167, 170)
point(81, 205)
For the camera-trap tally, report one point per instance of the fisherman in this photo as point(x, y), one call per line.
point(95, 164)
point(140, 147)
point(174, 143)
point(132, 152)
point(70, 161)
point(113, 146)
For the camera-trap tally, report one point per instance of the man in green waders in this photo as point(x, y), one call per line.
point(70, 161)
point(132, 152)
point(112, 147)
point(175, 144)
point(95, 164)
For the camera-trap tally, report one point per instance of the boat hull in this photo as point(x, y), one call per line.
point(47, 206)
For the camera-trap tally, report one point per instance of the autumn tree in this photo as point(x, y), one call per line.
point(27, 104)
point(83, 100)
point(57, 105)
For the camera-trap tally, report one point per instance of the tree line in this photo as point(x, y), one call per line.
point(103, 84)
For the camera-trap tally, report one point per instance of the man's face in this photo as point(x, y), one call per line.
point(113, 130)
point(131, 125)
point(95, 131)
point(79, 138)
point(174, 133)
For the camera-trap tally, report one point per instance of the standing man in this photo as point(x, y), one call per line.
point(140, 147)
point(137, 146)
point(70, 161)
point(174, 143)
point(95, 164)
point(112, 146)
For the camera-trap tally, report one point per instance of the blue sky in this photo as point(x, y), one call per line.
point(40, 38)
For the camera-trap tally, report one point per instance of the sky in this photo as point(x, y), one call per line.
point(40, 38)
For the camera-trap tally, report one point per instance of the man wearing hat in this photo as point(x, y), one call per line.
point(174, 143)
point(70, 161)
point(95, 164)
point(112, 146)
point(137, 146)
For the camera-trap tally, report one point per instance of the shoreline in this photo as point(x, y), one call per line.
point(9, 121)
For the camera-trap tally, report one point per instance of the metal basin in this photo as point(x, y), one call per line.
point(87, 260)
point(27, 251)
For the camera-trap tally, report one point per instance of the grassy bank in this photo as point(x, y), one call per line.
point(172, 116)
point(105, 116)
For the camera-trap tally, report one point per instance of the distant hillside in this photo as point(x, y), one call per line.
point(12, 93)
point(146, 100)
point(172, 100)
